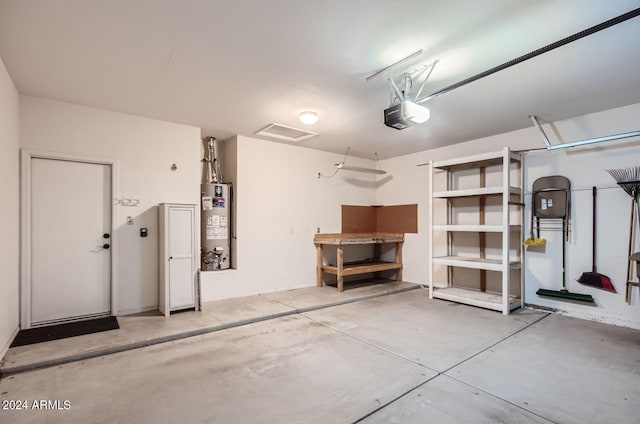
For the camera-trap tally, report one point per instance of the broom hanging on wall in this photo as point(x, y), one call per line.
point(594, 278)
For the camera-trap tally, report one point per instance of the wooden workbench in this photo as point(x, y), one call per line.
point(340, 270)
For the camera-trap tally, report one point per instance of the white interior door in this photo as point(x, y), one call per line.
point(70, 240)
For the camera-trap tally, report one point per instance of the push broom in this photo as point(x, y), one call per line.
point(564, 292)
point(593, 278)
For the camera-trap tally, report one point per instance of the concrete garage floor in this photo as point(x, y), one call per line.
point(151, 328)
point(396, 358)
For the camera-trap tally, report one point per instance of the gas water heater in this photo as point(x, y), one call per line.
point(216, 214)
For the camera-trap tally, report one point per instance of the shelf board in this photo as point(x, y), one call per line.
point(339, 239)
point(354, 269)
point(475, 192)
point(361, 282)
point(476, 228)
point(475, 161)
point(475, 263)
point(472, 297)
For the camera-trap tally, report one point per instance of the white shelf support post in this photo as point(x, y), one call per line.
point(430, 230)
point(506, 234)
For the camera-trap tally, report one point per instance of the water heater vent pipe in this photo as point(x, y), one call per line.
point(214, 171)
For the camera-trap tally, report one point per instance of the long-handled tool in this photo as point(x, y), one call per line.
point(629, 180)
point(633, 283)
point(564, 293)
point(593, 278)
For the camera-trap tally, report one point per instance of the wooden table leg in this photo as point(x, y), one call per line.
point(630, 286)
point(399, 260)
point(319, 266)
point(340, 275)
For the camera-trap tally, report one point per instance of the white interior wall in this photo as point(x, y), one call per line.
point(10, 211)
point(280, 204)
point(145, 149)
point(543, 265)
point(408, 183)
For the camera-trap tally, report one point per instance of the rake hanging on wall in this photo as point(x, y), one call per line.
point(629, 180)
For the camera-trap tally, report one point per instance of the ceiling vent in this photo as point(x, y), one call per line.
point(284, 132)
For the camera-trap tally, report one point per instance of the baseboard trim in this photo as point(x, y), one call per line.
point(5, 348)
point(137, 310)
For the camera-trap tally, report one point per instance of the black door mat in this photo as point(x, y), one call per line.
point(62, 331)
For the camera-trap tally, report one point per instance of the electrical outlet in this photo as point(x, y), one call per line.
point(129, 220)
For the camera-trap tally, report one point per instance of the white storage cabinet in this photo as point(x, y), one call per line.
point(178, 257)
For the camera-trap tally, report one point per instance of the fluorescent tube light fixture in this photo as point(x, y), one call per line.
point(344, 167)
point(341, 166)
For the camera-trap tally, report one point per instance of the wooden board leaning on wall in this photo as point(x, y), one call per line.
point(372, 219)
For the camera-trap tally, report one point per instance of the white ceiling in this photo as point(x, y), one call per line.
point(234, 66)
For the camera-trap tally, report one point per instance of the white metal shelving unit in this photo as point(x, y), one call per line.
point(510, 193)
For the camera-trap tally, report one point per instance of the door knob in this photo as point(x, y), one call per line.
point(105, 246)
point(105, 235)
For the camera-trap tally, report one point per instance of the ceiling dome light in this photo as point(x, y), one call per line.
point(308, 117)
